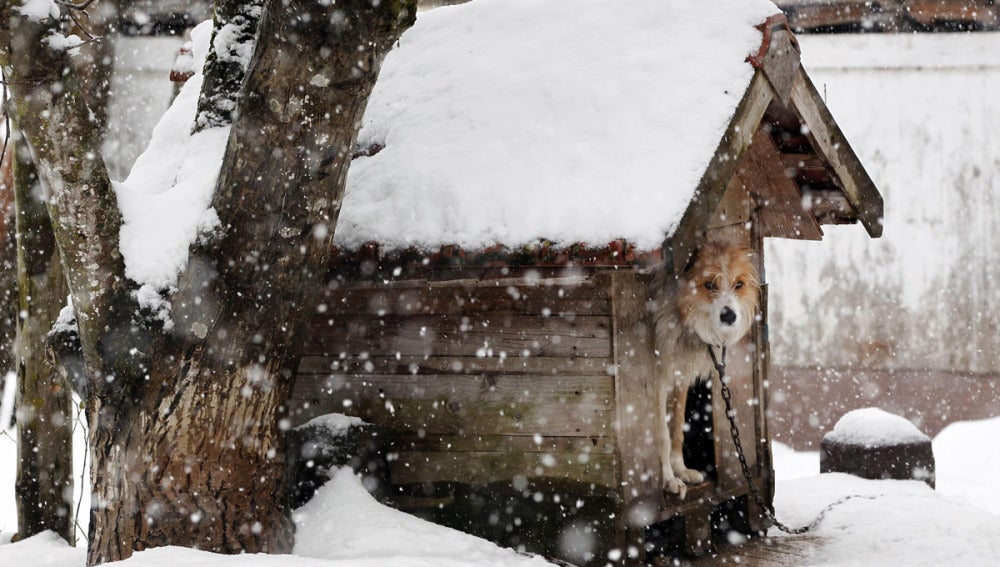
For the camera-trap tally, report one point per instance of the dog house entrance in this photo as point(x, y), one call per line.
point(699, 439)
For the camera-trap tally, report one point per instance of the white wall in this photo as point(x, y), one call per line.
point(923, 113)
point(141, 92)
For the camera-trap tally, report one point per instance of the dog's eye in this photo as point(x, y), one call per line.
point(710, 286)
point(739, 284)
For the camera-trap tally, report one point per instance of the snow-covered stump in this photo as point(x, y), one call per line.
point(871, 443)
point(320, 447)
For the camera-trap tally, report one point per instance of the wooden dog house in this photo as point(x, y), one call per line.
point(517, 382)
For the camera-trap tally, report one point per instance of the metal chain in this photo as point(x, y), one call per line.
point(734, 430)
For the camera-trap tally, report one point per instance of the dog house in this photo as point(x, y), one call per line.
point(487, 307)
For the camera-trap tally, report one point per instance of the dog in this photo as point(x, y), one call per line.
point(712, 303)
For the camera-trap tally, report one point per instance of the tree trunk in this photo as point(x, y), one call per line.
point(233, 33)
point(8, 271)
point(187, 427)
point(44, 483)
point(246, 294)
point(95, 62)
point(49, 109)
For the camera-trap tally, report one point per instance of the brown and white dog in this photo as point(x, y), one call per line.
point(714, 302)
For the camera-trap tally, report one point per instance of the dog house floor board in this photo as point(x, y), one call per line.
point(789, 551)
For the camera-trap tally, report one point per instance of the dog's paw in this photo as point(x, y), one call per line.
point(675, 486)
point(689, 476)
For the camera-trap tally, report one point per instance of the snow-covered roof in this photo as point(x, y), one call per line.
point(509, 121)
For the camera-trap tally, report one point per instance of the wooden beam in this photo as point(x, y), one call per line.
point(800, 161)
point(931, 12)
point(481, 468)
point(781, 62)
point(830, 143)
point(636, 412)
point(760, 337)
point(570, 406)
point(712, 187)
point(823, 14)
point(829, 206)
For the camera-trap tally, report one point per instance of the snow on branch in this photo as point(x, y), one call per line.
point(166, 200)
point(233, 41)
point(39, 10)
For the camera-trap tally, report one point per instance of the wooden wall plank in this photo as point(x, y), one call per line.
point(469, 405)
point(505, 443)
point(636, 410)
point(486, 467)
point(312, 367)
point(413, 341)
point(525, 296)
point(371, 326)
point(739, 369)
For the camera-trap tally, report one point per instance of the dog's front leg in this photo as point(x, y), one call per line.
point(665, 395)
point(678, 410)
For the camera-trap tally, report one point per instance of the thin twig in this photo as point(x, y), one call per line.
point(79, 24)
point(6, 117)
point(73, 10)
point(83, 472)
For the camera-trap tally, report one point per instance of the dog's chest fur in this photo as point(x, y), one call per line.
point(686, 359)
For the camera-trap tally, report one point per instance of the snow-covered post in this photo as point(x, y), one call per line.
point(872, 443)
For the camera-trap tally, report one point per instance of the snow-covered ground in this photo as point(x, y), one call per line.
point(904, 522)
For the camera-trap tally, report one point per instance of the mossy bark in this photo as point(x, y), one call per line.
point(233, 33)
point(8, 270)
point(44, 484)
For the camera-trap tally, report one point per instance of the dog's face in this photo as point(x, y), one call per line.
point(718, 294)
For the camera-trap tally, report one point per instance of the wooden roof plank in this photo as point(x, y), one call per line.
point(720, 170)
point(830, 143)
point(782, 214)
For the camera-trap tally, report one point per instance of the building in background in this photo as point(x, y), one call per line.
point(916, 332)
point(853, 16)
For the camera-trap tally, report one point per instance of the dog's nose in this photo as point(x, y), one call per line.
point(728, 316)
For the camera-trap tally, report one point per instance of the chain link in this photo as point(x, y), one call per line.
point(734, 430)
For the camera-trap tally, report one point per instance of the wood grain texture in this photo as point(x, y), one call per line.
point(762, 173)
point(720, 170)
point(312, 367)
point(781, 63)
point(467, 405)
point(830, 143)
point(478, 467)
point(635, 364)
point(548, 297)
